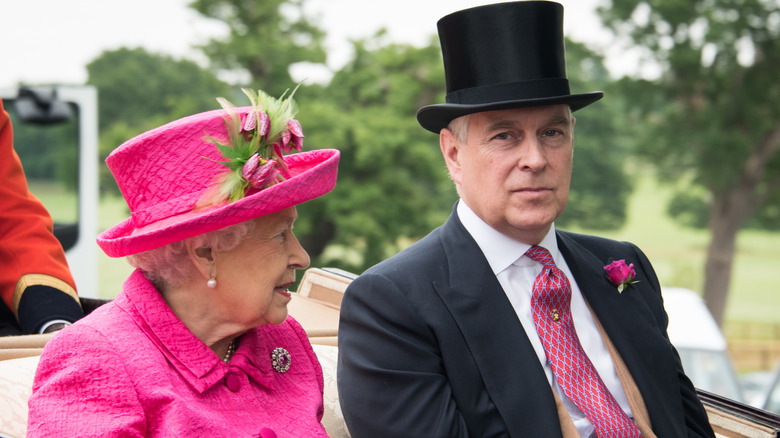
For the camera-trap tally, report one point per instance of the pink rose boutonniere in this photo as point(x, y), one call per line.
point(620, 274)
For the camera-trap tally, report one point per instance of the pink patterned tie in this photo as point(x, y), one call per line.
point(575, 373)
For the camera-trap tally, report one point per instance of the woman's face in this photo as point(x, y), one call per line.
point(252, 279)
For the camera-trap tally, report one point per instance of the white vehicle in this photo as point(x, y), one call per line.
point(57, 127)
point(702, 347)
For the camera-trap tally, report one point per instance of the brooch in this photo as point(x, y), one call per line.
point(281, 360)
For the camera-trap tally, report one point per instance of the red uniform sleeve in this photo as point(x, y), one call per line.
point(28, 248)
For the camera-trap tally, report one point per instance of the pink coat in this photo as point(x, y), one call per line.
point(132, 369)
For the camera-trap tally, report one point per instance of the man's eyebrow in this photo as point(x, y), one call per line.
point(559, 120)
point(500, 124)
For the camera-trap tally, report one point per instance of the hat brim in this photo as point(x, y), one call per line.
point(436, 117)
point(313, 174)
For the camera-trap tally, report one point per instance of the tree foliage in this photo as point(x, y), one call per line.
point(47, 151)
point(135, 86)
point(600, 186)
point(138, 90)
point(392, 182)
point(711, 122)
point(265, 38)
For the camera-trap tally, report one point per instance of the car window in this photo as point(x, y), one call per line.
point(711, 371)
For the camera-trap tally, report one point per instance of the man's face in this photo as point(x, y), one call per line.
point(514, 168)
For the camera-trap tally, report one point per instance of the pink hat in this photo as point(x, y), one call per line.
point(211, 170)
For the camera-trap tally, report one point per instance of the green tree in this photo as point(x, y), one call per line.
point(138, 90)
point(135, 86)
point(393, 187)
point(600, 186)
point(47, 151)
point(711, 121)
point(265, 38)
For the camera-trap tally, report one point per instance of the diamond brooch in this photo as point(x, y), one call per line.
point(281, 360)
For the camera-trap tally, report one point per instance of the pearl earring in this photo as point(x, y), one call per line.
point(212, 283)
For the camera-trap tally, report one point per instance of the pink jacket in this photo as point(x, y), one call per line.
point(132, 369)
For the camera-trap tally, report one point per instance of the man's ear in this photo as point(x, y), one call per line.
point(450, 149)
point(203, 259)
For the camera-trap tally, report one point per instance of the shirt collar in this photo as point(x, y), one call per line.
point(500, 250)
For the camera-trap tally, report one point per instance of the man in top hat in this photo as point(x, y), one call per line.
point(471, 331)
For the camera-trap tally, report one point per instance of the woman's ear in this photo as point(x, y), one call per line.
point(203, 259)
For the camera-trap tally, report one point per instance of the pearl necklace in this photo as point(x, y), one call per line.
point(230, 350)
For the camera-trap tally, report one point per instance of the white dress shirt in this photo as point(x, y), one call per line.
point(516, 274)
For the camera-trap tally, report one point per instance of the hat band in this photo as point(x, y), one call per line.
point(164, 210)
point(535, 89)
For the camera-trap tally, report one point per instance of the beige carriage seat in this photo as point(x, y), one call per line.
point(317, 303)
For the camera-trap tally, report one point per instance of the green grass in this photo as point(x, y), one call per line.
point(112, 272)
point(678, 254)
point(61, 203)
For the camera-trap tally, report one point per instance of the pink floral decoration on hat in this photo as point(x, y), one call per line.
point(211, 170)
point(256, 143)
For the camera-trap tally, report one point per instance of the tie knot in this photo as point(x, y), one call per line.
point(541, 255)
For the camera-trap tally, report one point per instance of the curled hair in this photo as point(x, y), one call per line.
point(169, 265)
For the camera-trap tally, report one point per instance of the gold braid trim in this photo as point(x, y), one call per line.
point(28, 280)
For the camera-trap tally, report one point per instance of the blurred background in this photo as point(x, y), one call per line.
point(680, 157)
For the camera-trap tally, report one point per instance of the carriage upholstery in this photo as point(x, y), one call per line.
point(316, 307)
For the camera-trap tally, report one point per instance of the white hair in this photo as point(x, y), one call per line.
point(169, 265)
point(460, 128)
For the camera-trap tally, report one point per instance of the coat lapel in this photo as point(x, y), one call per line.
point(506, 360)
point(617, 312)
point(630, 324)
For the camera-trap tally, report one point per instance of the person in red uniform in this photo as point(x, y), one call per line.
point(37, 291)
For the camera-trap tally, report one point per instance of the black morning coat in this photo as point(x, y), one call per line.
point(430, 346)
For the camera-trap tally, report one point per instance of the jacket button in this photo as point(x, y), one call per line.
point(232, 382)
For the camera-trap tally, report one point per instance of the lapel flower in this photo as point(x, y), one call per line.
point(620, 274)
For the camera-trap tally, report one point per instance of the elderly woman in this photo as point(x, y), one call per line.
point(199, 342)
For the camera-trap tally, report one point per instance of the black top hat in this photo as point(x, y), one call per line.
point(505, 55)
